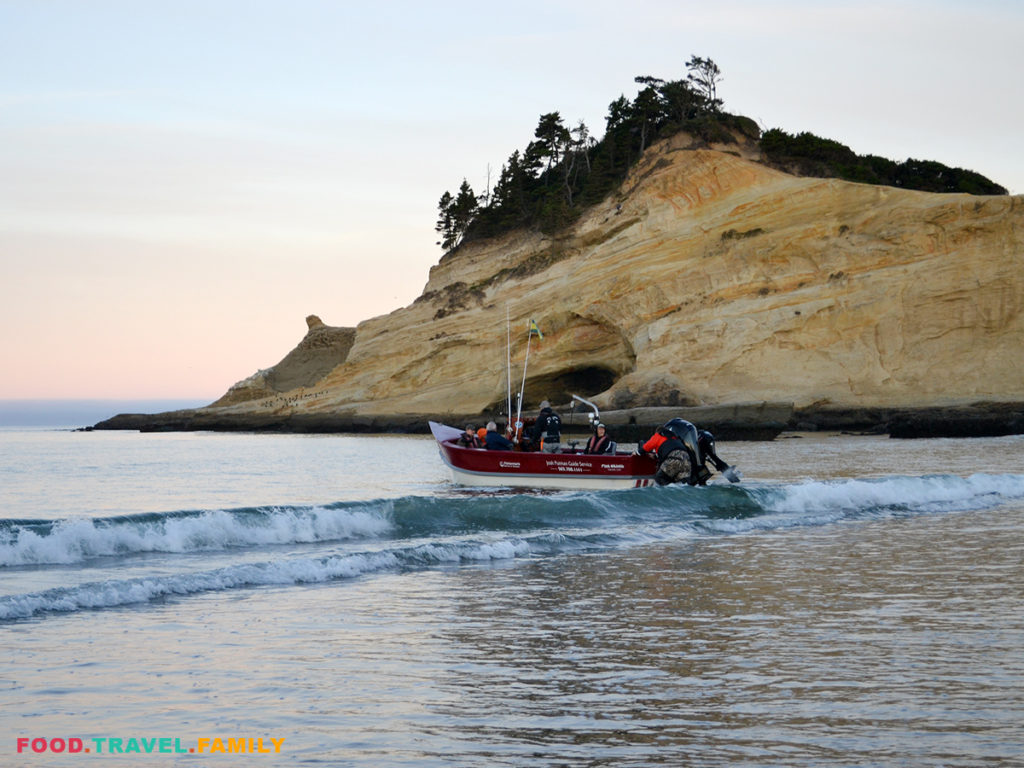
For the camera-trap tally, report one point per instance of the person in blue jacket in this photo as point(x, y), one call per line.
point(494, 441)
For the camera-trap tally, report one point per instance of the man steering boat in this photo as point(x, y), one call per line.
point(682, 453)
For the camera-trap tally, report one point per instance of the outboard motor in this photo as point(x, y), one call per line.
point(687, 434)
point(701, 448)
point(706, 441)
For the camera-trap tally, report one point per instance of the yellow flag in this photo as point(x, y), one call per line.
point(535, 330)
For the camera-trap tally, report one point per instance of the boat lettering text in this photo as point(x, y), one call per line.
point(563, 465)
point(509, 464)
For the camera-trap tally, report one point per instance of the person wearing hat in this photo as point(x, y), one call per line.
point(468, 439)
point(599, 442)
point(547, 432)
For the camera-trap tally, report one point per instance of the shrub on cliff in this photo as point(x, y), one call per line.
point(808, 155)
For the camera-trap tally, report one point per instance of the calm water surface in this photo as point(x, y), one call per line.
point(855, 602)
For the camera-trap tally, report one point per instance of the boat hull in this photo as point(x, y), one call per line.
point(517, 469)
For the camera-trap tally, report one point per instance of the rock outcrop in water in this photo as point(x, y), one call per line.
point(710, 279)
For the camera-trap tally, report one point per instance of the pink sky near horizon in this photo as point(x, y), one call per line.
point(182, 183)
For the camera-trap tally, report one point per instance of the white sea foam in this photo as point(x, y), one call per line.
point(124, 592)
point(935, 492)
point(732, 511)
point(77, 540)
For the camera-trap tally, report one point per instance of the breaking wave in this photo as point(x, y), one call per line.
point(419, 532)
point(74, 540)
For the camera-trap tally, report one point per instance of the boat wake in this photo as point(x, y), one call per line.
point(307, 545)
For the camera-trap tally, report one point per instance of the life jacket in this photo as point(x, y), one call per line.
point(652, 445)
point(598, 444)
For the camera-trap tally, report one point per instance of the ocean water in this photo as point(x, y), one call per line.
point(81, 413)
point(175, 599)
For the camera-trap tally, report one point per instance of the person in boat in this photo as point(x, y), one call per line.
point(676, 462)
point(468, 439)
point(547, 431)
point(599, 442)
point(681, 456)
point(494, 441)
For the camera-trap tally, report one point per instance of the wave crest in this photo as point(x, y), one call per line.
point(77, 540)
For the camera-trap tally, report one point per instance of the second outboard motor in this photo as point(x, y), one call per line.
point(706, 441)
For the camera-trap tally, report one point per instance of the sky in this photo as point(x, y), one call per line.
point(182, 182)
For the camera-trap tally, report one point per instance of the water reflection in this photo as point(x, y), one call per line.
point(868, 645)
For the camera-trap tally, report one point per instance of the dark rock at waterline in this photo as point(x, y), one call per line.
point(212, 421)
point(738, 421)
point(977, 420)
point(745, 421)
point(980, 420)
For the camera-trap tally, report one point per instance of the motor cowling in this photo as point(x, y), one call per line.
point(688, 436)
point(706, 441)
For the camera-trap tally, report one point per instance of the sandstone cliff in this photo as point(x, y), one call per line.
point(709, 279)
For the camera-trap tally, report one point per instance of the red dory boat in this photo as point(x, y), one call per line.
point(570, 470)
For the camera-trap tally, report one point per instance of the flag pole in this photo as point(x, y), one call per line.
point(508, 366)
point(522, 388)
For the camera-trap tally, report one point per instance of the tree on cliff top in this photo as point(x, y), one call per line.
point(705, 76)
point(455, 215)
point(564, 170)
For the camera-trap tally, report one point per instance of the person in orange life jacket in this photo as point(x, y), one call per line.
point(675, 461)
point(468, 439)
point(682, 451)
point(599, 442)
point(547, 430)
point(494, 441)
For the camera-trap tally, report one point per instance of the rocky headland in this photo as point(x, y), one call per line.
point(710, 285)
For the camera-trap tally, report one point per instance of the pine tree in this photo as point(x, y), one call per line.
point(705, 75)
point(445, 223)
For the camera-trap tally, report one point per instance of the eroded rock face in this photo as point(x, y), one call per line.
point(711, 279)
point(321, 351)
